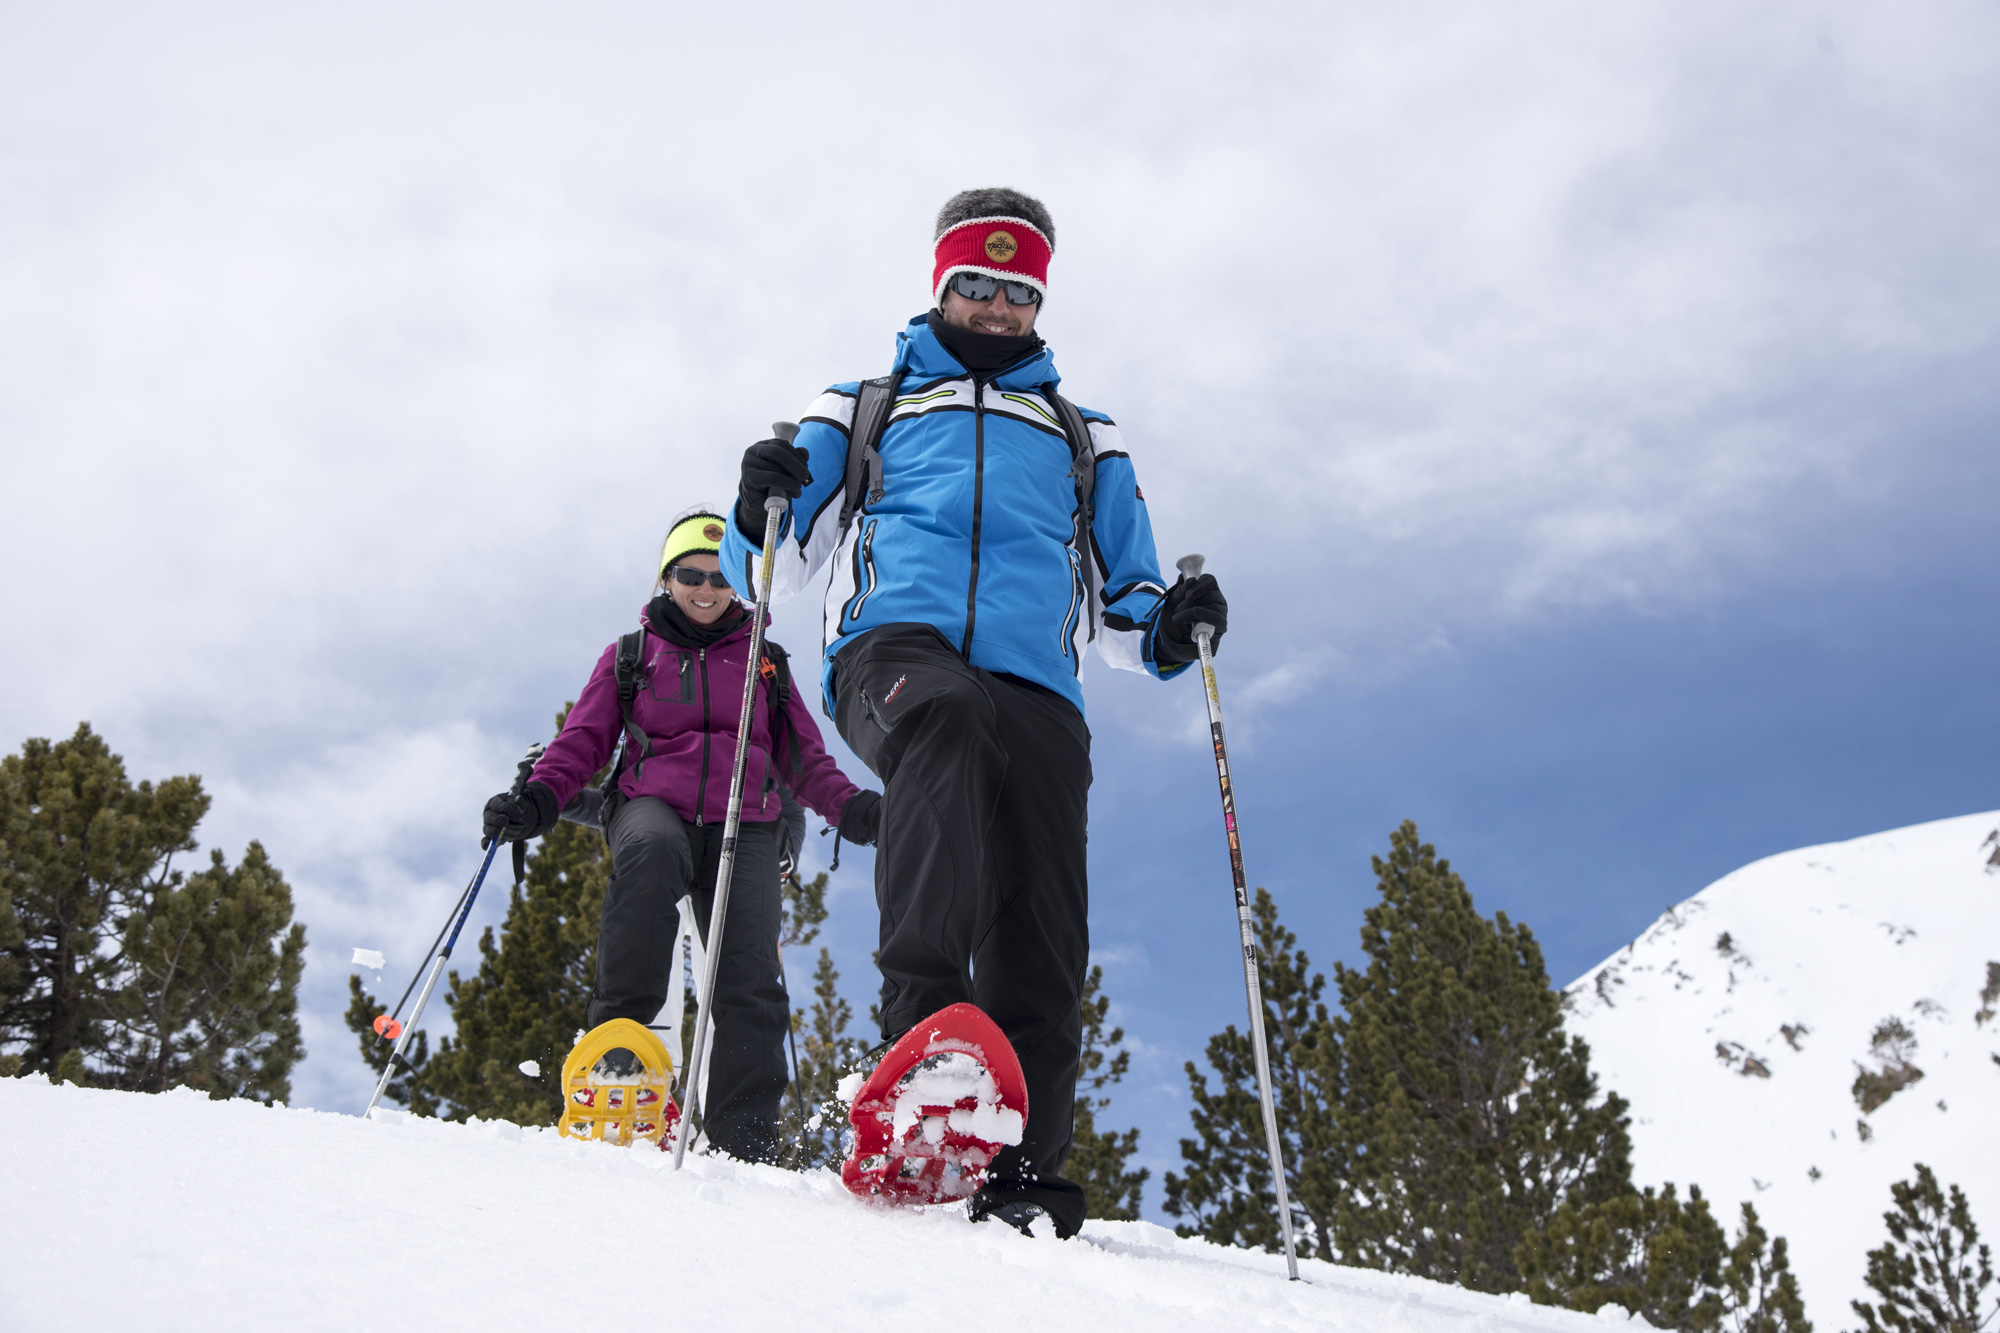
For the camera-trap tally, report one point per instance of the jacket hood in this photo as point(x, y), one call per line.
point(920, 354)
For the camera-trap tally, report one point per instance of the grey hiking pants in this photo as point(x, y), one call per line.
point(655, 859)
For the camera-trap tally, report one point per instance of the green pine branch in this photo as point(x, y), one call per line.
point(119, 970)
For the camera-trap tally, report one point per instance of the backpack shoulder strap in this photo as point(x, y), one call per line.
point(1083, 471)
point(777, 669)
point(871, 417)
point(631, 648)
point(1084, 455)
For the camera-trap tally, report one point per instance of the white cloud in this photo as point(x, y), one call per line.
point(355, 357)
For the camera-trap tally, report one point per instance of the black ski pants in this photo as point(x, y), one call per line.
point(979, 872)
point(656, 858)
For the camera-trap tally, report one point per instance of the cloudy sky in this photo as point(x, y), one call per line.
point(1590, 411)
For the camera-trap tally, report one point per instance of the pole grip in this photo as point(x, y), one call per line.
point(1190, 568)
point(786, 431)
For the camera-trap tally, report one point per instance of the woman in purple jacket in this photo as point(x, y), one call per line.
point(664, 821)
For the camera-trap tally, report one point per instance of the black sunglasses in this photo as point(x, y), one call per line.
point(979, 287)
point(694, 578)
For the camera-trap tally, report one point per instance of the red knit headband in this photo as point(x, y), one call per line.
point(1012, 249)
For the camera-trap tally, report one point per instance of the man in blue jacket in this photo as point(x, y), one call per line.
point(961, 599)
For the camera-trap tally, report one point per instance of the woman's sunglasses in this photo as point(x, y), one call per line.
point(694, 578)
point(978, 287)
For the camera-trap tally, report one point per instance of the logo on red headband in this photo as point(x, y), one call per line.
point(1010, 248)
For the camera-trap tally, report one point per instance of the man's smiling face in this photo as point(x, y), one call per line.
point(994, 316)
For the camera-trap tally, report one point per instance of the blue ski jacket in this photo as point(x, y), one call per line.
point(975, 533)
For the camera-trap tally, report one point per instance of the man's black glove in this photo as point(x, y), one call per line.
point(1190, 602)
point(861, 820)
point(770, 467)
point(512, 818)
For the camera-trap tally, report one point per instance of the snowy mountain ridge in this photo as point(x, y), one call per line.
point(1738, 1023)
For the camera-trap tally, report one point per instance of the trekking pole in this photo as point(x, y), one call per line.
point(1190, 568)
point(386, 1025)
point(410, 1028)
point(457, 923)
point(725, 869)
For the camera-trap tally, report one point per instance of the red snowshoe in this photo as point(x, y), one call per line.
point(935, 1113)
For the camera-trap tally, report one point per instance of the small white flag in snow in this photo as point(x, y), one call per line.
point(531, 1068)
point(369, 958)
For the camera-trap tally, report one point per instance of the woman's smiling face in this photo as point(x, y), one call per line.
point(698, 602)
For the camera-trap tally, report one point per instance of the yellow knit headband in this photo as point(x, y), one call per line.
point(693, 535)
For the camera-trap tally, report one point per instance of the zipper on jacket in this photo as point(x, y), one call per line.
point(701, 791)
point(864, 571)
point(868, 563)
point(1069, 616)
point(978, 492)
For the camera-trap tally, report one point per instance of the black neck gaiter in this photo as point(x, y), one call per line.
point(982, 353)
point(670, 623)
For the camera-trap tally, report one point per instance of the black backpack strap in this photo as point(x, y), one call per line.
point(1083, 470)
point(776, 671)
point(630, 649)
point(780, 674)
point(871, 417)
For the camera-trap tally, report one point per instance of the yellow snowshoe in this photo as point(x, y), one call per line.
point(618, 1087)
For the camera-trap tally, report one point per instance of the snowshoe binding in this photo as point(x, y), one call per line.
point(936, 1111)
point(1016, 1213)
point(617, 1087)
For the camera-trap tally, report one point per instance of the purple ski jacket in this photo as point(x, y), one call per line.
point(688, 703)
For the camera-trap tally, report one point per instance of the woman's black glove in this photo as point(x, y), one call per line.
point(770, 467)
point(861, 820)
point(512, 818)
point(1190, 602)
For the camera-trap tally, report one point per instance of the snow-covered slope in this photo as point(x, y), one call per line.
point(1739, 1055)
point(175, 1212)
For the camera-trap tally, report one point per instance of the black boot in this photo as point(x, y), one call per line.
point(1020, 1203)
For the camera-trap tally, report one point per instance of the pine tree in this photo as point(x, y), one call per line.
point(211, 973)
point(1226, 1189)
point(1760, 1294)
point(826, 1054)
point(12, 937)
point(1650, 1253)
point(116, 968)
point(823, 1051)
point(802, 910)
point(1666, 1262)
point(78, 844)
point(1932, 1274)
point(1894, 1047)
point(1463, 1114)
point(1098, 1158)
